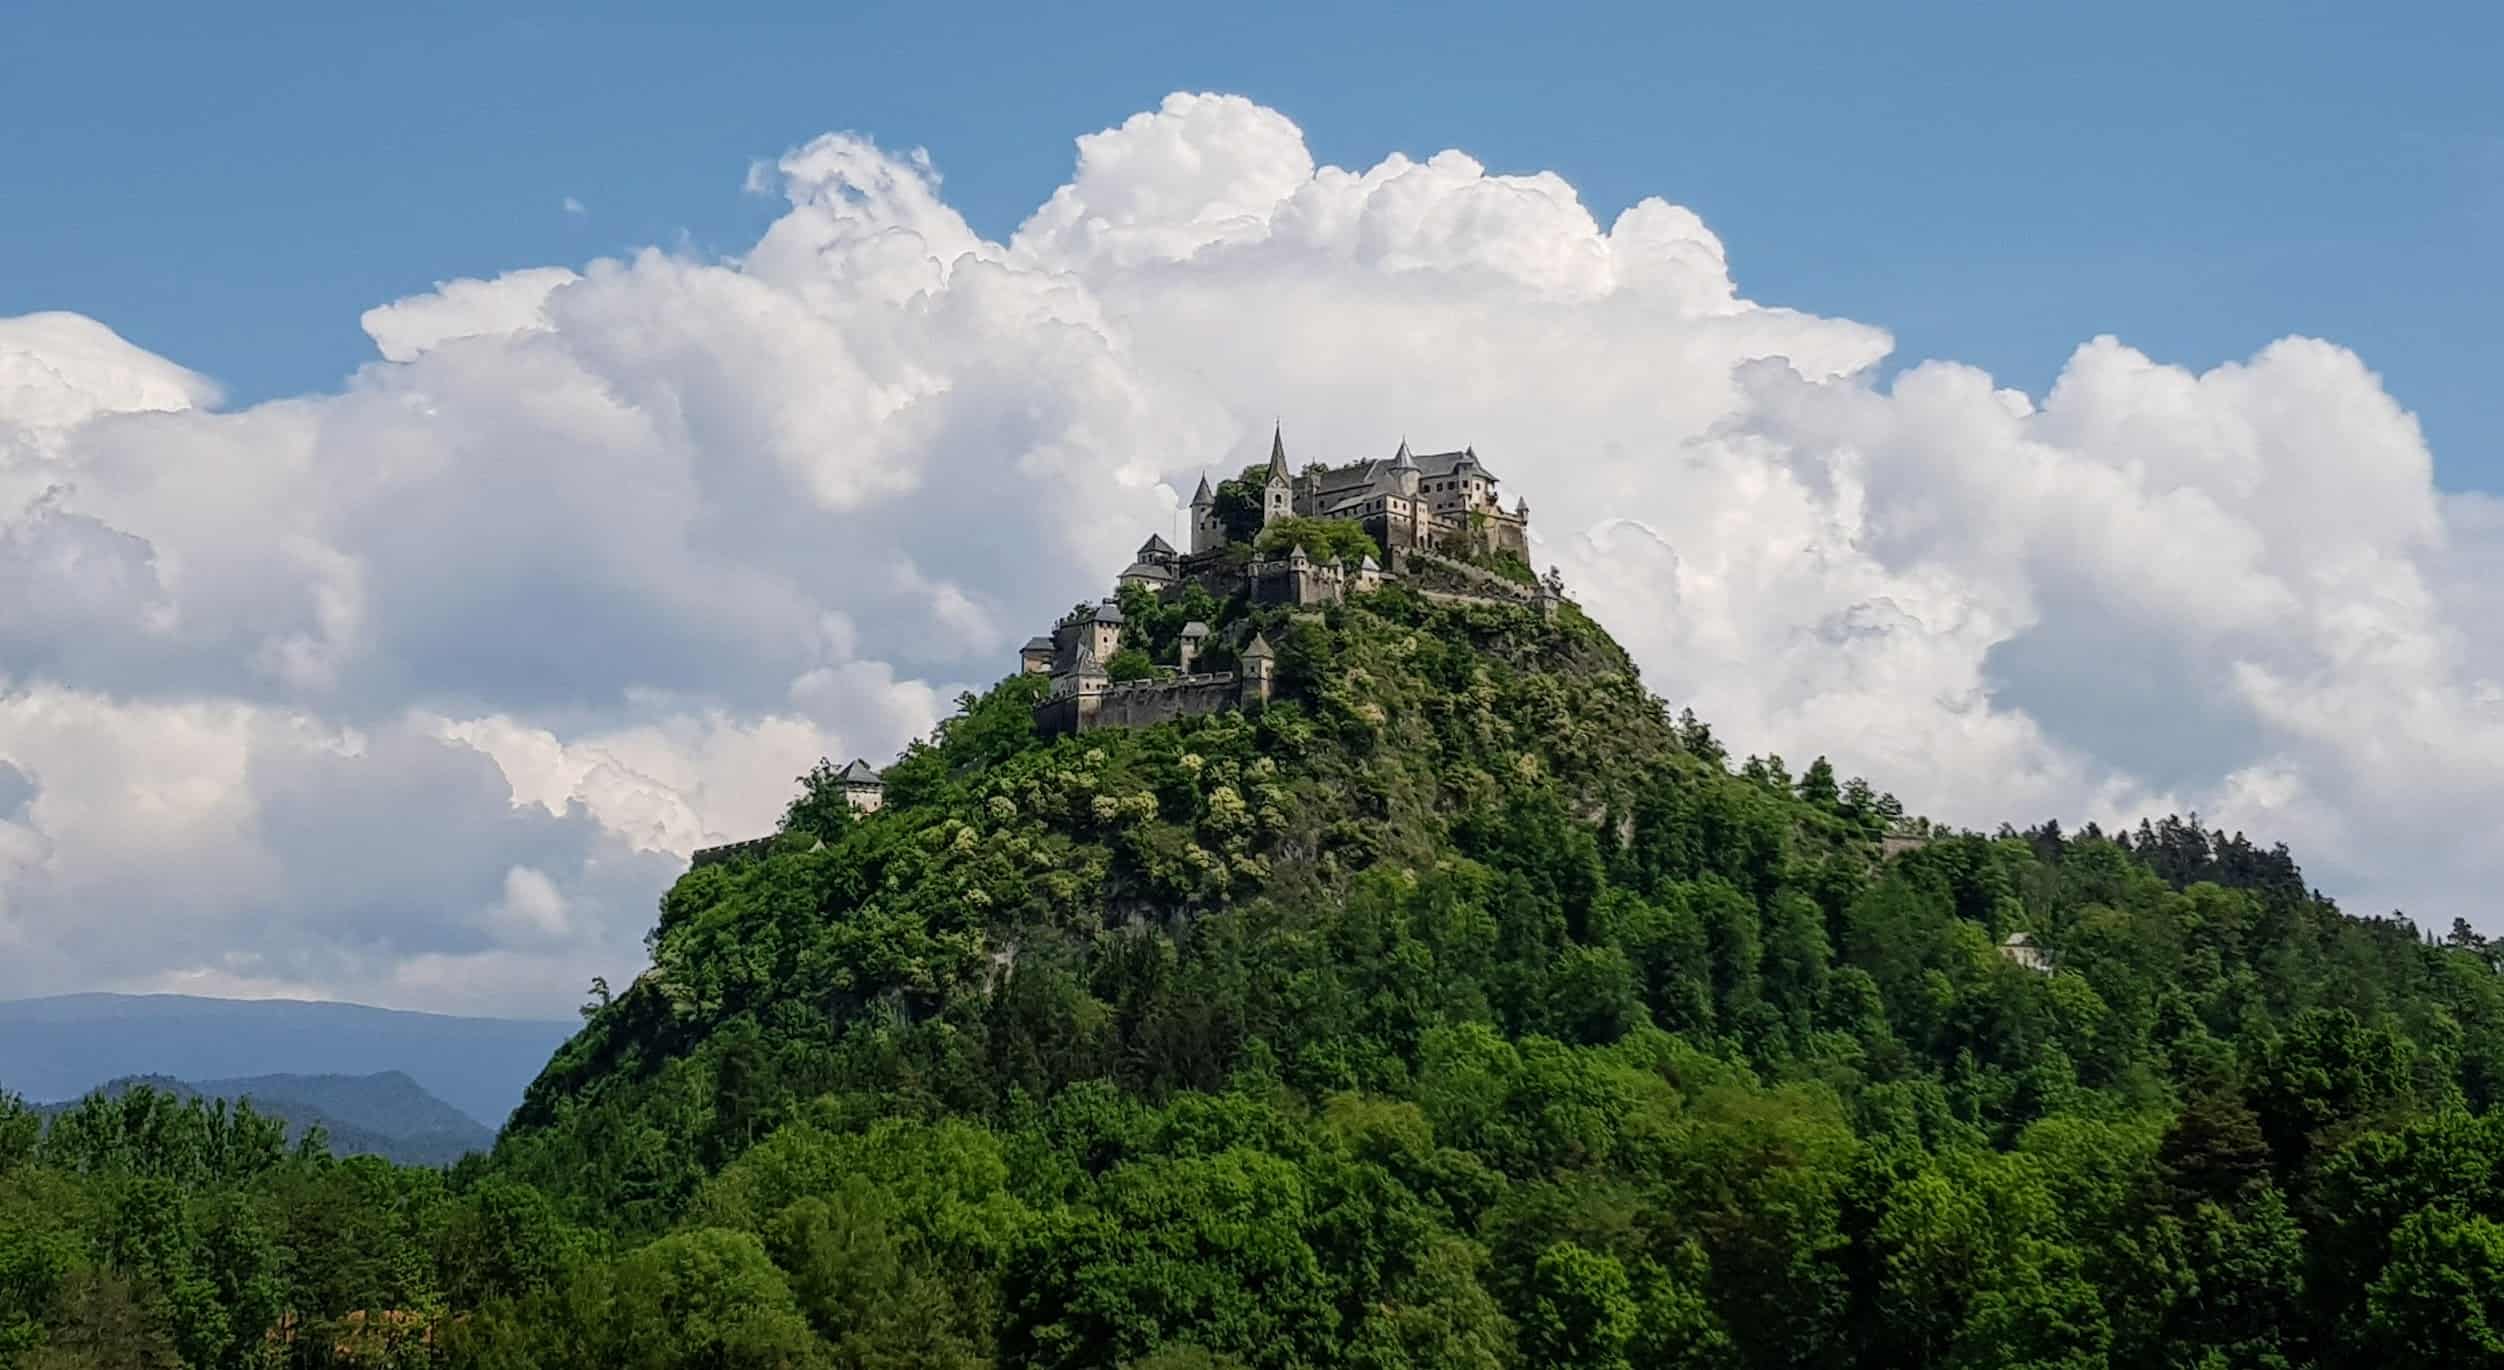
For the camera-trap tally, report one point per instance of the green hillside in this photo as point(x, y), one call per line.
point(1463, 1007)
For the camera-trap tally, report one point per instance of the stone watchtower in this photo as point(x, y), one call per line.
point(1095, 631)
point(1257, 675)
point(1207, 534)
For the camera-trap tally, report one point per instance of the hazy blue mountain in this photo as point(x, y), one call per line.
point(386, 1114)
point(62, 1047)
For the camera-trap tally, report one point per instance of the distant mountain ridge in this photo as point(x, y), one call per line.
point(63, 1046)
point(385, 1114)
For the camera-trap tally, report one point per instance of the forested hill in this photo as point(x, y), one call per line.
point(1462, 1008)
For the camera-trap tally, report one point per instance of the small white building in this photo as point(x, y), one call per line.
point(861, 787)
point(2020, 948)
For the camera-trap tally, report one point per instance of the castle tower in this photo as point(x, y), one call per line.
point(1195, 636)
point(1206, 534)
point(1258, 672)
point(1278, 488)
point(1103, 633)
point(862, 787)
point(1404, 471)
point(1086, 675)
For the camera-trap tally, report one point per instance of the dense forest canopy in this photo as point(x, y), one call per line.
point(1462, 1008)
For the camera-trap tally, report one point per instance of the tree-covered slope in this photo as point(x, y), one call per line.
point(1461, 1008)
point(1466, 1007)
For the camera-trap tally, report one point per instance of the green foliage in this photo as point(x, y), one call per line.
point(1332, 540)
point(820, 809)
point(2440, 1302)
point(1462, 1008)
point(1238, 503)
point(1130, 663)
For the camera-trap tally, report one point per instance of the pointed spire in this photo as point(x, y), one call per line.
point(1278, 455)
point(1257, 649)
point(1404, 462)
point(1203, 497)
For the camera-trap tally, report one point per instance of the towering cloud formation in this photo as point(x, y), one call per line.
point(419, 691)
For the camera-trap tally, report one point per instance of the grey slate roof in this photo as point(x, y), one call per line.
point(858, 773)
point(1374, 475)
point(1278, 457)
point(1438, 465)
point(1155, 543)
point(1036, 644)
point(1203, 495)
point(1147, 570)
point(1257, 649)
point(1195, 628)
point(1107, 612)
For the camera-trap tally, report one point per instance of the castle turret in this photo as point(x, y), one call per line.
point(1195, 636)
point(862, 787)
point(1259, 671)
point(1404, 472)
point(1207, 535)
point(1103, 635)
point(1087, 673)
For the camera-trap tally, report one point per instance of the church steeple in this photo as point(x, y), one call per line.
point(1278, 490)
point(1203, 497)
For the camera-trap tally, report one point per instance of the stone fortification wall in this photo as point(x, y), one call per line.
point(752, 849)
point(1459, 597)
point(1138, 703)
point(1482, 580)
point(1484, 586)
point(1302, 584)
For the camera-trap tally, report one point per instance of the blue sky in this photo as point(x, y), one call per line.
point(1994, 183)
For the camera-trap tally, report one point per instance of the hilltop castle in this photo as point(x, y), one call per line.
point(1441, 499)
point(1436, 518)
point(1437, 514)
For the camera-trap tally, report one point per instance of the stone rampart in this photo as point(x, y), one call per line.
point(1139, 703)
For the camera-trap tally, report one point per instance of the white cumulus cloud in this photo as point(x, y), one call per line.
point(420, 690)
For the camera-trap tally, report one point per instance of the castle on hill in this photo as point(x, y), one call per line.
point(1442, 499)
point(1438, 513)
point(1436, 518)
